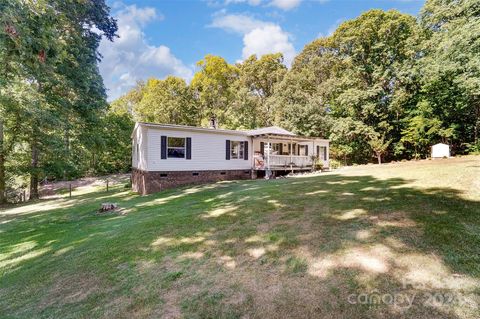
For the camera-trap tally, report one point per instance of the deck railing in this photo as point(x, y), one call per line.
point(287, 160)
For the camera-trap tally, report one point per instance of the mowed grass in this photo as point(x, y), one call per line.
point(326, 246)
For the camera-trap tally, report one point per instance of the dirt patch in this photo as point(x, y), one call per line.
point(71, 290)
point(53, 189)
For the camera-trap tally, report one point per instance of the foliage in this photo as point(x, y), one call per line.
point(256, 83)
point(212, 85)
point(50, 82)
point(167, 101)
point(384, 85)
point(451, 67)
point(334, 164)
point(379, 86)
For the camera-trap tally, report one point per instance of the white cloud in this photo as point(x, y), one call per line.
point(259, 37)
point(281, 4)
point(237, 23)
point(285, 4)
point(250, 2)
point(268, 39)
point(131, 58)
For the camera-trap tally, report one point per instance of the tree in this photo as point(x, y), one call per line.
point(212, 87)
point(379, 145)
point(167, 101)
point(374, 50)
point(451, 67)
point(52, 48)
point(255, 84)
point(358, 79)
point(301, 101)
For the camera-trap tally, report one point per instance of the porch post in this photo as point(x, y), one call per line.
point(268, 152)
point(313, 153)
point(291, 158)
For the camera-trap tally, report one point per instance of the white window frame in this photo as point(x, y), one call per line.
point(241, 149)
point(184, 148)
point(323, 153)
point(302, 149)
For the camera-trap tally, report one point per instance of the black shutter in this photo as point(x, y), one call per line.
point(188, 152)
point(227, 150)
point(318, 151)
point(324, 153)
point(245, 150)
point(281, 149)
point(306, 150)
point(262, 148)
point(163, 147)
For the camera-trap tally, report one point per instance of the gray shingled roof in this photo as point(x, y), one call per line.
point(270, 130)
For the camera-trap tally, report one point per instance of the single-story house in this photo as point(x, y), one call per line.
point(166, 155)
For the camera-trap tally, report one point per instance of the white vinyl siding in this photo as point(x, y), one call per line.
point(139, 148)
point(208, 151)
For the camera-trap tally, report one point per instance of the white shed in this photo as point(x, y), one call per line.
point(440, 150)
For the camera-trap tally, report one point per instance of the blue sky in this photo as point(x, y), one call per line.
point(161, 38)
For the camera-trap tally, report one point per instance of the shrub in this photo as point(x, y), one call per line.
point(318, 166)
point(334, 164)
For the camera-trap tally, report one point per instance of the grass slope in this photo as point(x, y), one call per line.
point(307, 247)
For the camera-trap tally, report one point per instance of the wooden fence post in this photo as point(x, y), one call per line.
point(107, 185)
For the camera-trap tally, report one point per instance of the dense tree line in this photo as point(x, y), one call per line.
point(383, 86)
point(52, 99)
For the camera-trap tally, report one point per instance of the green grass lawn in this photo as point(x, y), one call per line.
point(326, 246)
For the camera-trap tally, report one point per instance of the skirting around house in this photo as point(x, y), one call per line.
point(144, 182)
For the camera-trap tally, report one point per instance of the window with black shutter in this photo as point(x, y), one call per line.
point(237, 150)
point(227, 150)
point(176, 147)
point(163, 147)
point(188, 152)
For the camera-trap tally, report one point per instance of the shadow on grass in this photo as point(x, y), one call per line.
point(335, 235)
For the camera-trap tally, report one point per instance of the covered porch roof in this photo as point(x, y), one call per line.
point(275, 132)
point(287, 137)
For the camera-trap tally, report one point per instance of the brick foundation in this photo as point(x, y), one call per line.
point(144, 182)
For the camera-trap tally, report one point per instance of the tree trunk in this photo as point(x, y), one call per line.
point(2, 166)
point(379, 157)
point(67, 150)
point(477, 123)
point(34, 171)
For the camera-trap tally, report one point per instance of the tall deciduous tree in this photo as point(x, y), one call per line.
point(451, 68)
point(255, 84)
point(213, 88)
point(52, 47)
point(167, 101)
